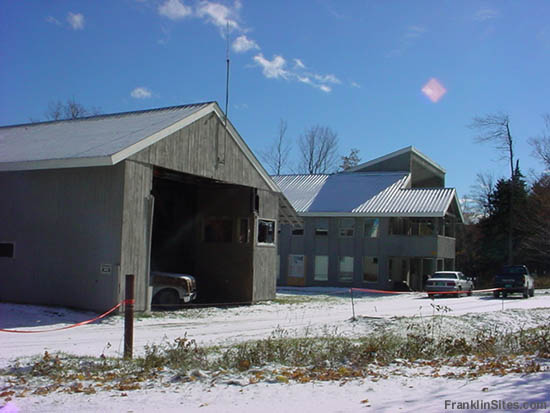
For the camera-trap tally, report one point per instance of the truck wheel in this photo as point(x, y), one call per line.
point(532, 292)
point(526, 293)
point(166, 299)
point(496, 294)
point(504, 294)
point(469, 294)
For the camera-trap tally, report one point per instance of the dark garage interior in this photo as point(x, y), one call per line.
point(203, 227)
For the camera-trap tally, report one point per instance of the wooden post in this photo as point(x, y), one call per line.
point(129, 317)
point(352, 304)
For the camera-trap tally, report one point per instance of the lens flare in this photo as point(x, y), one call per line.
point(434, 90)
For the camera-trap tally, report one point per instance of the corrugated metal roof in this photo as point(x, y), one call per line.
point(300, 190)
point(365, 194)
point(92, 137)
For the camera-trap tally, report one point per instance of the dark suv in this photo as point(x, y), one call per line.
point(514, 279)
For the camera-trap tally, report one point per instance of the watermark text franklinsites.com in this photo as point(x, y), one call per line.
point(496, 405)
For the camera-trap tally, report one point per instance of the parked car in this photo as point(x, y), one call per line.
point(171, 290)
point(514, 279)
point(449, 282)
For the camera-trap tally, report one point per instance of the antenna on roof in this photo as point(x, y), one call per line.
point(227, 74)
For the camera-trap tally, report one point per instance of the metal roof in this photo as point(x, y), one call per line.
point(90, 141)
point(394, 154)
point(300, 190)
point(364, 194)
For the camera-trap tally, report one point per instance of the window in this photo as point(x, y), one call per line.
point(449, 228)
point(422, 227)
point(321, 227)
point(347, 227)
point(321, 268)
point(218, 230)
point(370, 269)
point(371, 227)
point(266, 231)
point(6, 249)
point(297, 231)
point(243, 231)
point(345, 269)
point(399, 226)
point(296, 266)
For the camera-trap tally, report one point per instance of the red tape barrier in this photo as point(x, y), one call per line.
point(368, 290)
point(82, 323)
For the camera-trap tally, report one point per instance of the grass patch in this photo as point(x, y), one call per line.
point(282, 358)
point(542, 282)
point(301, 299)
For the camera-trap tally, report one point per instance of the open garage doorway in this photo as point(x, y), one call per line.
point(203, 228)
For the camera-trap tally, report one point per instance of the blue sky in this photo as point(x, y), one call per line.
point(356, 66)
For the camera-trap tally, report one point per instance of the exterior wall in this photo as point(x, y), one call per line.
point(65, 224)
point(385, 247)
point(396, 163)
point(205, 149)
point(136, 226)
point(265, 256)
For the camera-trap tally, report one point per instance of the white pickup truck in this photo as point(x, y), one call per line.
point(170, 290)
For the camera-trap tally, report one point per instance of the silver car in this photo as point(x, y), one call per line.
point(449, 283)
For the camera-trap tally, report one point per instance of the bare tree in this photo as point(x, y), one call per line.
point(318, 150)
point(541, 144)
point(495, 129)
point(276, 156)
point(350, 160)
point(481, 193)
point(71, 109)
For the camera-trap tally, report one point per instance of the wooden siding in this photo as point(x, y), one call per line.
point(265, 257)
point(138, 182)
point(66, 225)
point(206, 149)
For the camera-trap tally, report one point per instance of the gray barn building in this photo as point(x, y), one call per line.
point(385, 221)
point(86, 201)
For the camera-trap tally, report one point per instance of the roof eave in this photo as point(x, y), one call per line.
point(374, 214)
point(57, 164)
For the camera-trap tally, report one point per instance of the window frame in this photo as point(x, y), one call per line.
point(303, 275)
point(376, 226)
point(344, 230)
point(315, 268)
point(266, 244)
point(347, 272)
point(320, 231)
point(373, 258)
point(8, 244)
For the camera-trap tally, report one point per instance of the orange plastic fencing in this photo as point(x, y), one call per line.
point(105, 314)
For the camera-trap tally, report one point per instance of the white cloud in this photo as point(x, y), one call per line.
point(76, 20)
point(326, 78)
point(415, 31)
point(356, 85)
point(273, 69)
point(299, 64)
point(243, 44)
point(219, 14)
point(53, 20)
point(277, 68)
point(141, 93)
point(485, 14)
point(174, 10)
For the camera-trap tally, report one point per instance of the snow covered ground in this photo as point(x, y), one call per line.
point(298, 312)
